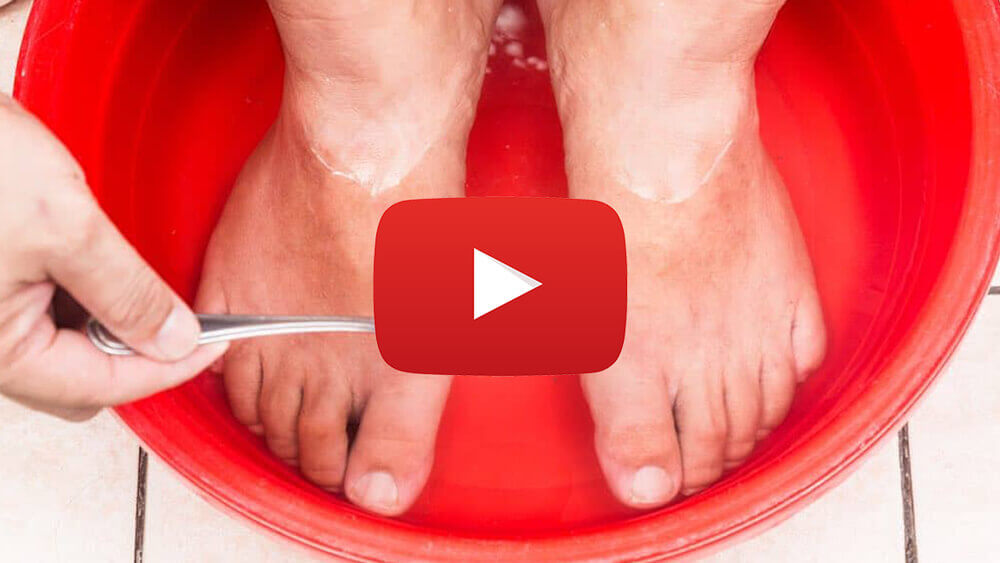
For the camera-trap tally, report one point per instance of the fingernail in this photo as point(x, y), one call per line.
point(377, 491)
point(651, 485)
point(178, 335)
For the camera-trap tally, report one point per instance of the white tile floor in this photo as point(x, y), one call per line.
point(835, 528)
point(67, 492)
point(182, 527)
point(953, 439)
point(12, 20)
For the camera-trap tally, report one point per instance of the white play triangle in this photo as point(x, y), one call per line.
point(495, 283)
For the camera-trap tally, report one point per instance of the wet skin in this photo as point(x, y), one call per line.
point(659, 120)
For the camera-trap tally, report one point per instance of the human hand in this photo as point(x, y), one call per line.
point(53, 234)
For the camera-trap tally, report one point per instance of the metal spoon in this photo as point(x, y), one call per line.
point(217, 328)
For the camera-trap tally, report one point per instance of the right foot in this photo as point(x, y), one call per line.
point(660, 120)
point(379, 99)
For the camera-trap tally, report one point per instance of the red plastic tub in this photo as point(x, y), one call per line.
point(882, 115)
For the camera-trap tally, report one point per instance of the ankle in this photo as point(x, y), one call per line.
point(376, 168)
point(663, 142)
point(373, 140)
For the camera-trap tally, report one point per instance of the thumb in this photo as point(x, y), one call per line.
point(102, 271)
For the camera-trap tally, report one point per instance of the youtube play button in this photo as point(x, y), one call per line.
point(500, 286)
point(495, 283)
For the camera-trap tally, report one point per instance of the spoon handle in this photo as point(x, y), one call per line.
point(218, 328)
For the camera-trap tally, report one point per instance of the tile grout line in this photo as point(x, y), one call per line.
point(140, 506)
point(906, 483)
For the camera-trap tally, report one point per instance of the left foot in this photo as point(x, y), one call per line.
point(378, 103)
point(660, 121)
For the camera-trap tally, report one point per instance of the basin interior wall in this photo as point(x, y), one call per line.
point(865, 107)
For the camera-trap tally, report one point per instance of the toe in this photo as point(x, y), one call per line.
point(394, 448)
point(280, 403)
point(211, 300)
point(634, 434)
point(808, 336)
point(777, 389)
point(241, 376)
point(701, 424)
point(743, 407)
point(322, 432)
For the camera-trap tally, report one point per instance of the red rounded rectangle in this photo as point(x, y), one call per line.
point(550, 275)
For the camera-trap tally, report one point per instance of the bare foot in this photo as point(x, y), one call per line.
point(379, 99)
point(660, 120)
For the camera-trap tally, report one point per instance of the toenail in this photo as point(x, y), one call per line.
point(377, 491)
point(651, 485)
point(692, 491)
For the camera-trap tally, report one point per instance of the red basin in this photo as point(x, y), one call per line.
point(882, 115)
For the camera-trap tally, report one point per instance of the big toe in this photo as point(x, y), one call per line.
point(635, 439)
point(394, 449)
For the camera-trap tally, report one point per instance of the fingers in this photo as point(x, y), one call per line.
point(63, 373)
point(634, 434)
point(109, 278)
point(54, 232)
point(54, 229)
point(67, 414)
point(394, 449)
